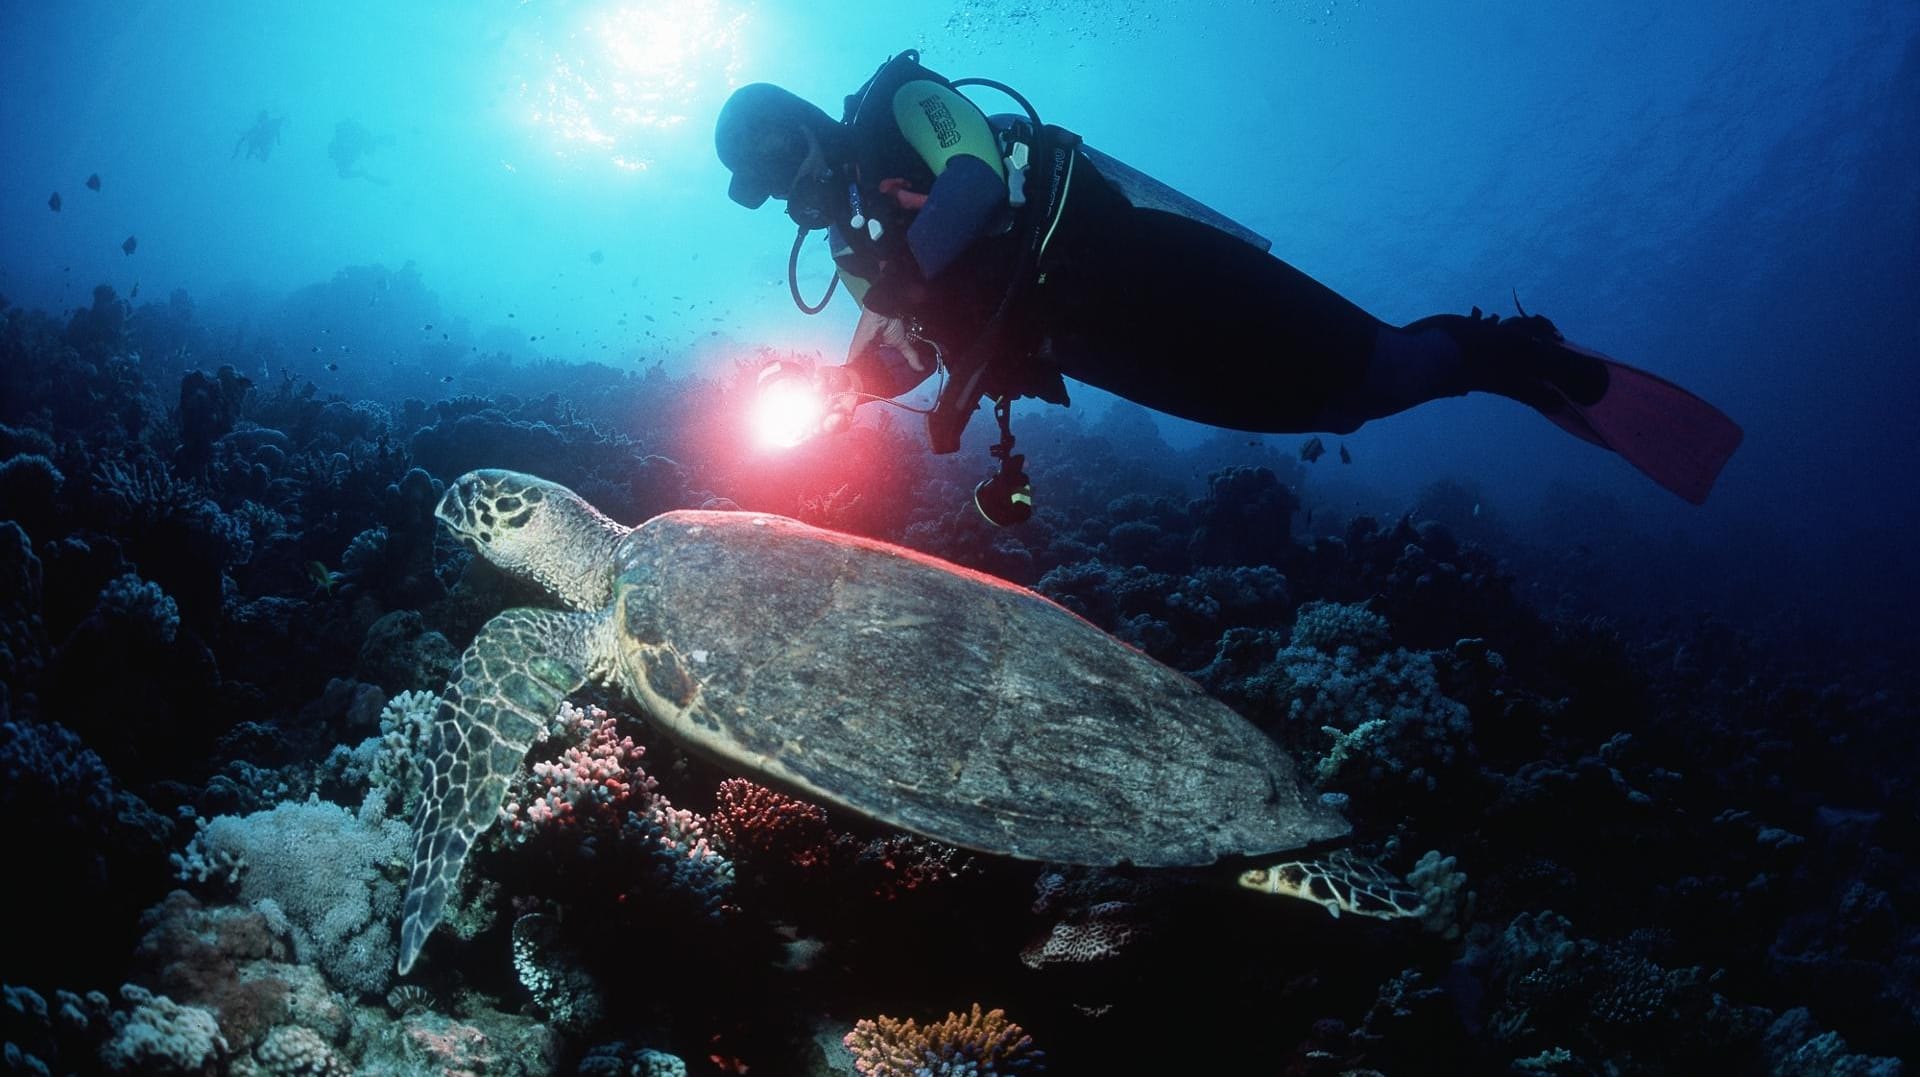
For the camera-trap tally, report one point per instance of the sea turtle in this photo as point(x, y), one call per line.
point(860, 674)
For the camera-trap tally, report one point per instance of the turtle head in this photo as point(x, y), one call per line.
point(536, 530)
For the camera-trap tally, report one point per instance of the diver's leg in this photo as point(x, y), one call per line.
point(1185, 319)
point(1675, 438)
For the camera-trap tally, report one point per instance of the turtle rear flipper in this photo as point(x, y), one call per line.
point(1340, 882)
point(504, 692)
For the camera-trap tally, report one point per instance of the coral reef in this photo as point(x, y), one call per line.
point(326, 873)
point(960, 1044)
point(223, 595)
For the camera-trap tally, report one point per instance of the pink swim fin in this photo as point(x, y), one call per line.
point(1675, 438)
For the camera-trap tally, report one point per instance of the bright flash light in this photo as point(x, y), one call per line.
point(787, 412)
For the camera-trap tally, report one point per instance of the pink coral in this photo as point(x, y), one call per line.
point(597, 779)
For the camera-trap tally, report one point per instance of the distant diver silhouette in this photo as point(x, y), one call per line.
point(260, 139)
point(352, 142)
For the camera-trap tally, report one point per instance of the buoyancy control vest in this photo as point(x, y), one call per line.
point(986, 340)
point(906, 123)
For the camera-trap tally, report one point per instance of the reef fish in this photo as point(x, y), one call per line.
point(1312, 450)
point(53, 202)
point(130, 244)
point(93, 182)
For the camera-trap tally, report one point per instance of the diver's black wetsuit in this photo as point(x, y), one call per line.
point(1187, 319)
point(1181, 317)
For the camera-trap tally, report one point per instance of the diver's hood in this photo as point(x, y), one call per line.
point(761, 138)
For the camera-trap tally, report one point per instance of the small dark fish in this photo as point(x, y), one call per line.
point(130, 244)
point(53, 202)
point(316, 349)
point(135, 293)
point(596, 257)
point(509, 315)
point(333, 366)
point(448, 378)
point(427, 326)
point(1345, 456)
point(1312, 450)
point(93, 182)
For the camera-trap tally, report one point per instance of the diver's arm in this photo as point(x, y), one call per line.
point(959, 146)
point(957, 212)
point(883, 360)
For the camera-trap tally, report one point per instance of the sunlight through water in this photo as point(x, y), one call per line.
point(612, 79)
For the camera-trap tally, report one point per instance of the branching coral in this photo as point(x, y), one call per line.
point(596, 794)
point(974, 1044)
point(597, 779)
point(753, 822)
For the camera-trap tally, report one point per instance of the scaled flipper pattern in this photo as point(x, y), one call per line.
point(506, 689)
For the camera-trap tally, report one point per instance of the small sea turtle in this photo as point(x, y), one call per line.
point(886, 682)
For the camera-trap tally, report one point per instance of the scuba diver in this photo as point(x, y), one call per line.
point(1012, 255)
point(351, 142)
point(260, 139)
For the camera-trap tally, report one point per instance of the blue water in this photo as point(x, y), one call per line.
point(1698, 745)
point(1720, 191)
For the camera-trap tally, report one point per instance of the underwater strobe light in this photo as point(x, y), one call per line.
point(788, 408)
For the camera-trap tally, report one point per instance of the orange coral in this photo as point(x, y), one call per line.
point(986, 1044)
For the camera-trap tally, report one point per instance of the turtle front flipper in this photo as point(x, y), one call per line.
point(504, 692)
point(537, 530)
